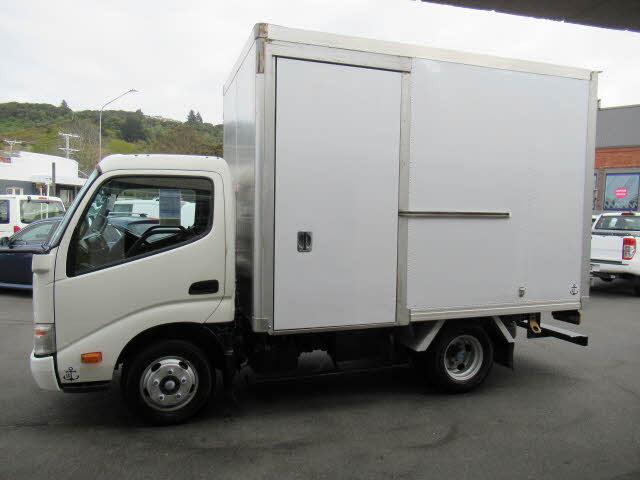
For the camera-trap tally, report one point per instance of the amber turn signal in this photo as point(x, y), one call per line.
point(93, 357)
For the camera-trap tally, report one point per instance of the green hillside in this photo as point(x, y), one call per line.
point(38, 124)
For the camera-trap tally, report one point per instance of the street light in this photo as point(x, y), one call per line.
point(133, 90)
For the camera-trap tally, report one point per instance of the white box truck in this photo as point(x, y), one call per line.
point(385, 203)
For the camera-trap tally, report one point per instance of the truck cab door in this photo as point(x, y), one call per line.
point(118, 275)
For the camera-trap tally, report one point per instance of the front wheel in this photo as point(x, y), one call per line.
point(459, 359)
point(168, 382)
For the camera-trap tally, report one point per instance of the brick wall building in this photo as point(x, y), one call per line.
point(617, 167)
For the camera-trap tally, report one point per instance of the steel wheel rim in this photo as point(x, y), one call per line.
point(169, 383)
point(463, 357)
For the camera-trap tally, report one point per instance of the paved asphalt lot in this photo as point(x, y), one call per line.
point(565, 412)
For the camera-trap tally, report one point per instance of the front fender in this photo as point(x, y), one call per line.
point(111, 339)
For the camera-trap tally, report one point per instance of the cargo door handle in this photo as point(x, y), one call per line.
point(204, 287)
point(304, 241)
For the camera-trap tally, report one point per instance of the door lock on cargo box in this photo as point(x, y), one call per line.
point(304, 241)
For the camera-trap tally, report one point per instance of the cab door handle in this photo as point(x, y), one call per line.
point(304, 241)
point(204, 287)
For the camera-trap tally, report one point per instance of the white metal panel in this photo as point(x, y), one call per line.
point(337, 151)
point(241, 155)
point(309, 37)
point(485, 139)
point(605, 247)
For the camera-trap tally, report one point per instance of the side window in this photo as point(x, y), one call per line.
point(4, 211)
point(173, 211)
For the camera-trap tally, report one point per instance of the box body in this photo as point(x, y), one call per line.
point(427, 184)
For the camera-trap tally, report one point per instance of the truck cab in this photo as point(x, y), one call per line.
point(113, 281)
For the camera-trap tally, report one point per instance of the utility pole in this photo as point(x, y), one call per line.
point(53, 178)
point(66, 149)
point(13, 142)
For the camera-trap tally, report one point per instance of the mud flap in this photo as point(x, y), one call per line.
point(503, 343)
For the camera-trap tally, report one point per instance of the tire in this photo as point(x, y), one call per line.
point(168, 382)
point(636, 286)
point(473, 366)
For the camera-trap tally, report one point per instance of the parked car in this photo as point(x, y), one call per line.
point(18, 211)
point(614, 240)
point(16, 252)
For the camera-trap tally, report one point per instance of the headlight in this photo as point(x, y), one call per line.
point(44, 339)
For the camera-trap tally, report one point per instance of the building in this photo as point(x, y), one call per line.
point(25, 173)
point(617, 167)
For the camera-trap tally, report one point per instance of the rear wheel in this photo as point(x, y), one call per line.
point(168, 382)
point(460, 358)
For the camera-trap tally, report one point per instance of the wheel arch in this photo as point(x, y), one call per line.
point(420, 336)
point(198, 334)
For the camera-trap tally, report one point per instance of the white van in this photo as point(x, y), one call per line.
point(151, 209)
point(18, 211)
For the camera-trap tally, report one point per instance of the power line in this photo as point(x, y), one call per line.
point(13, 142)
point(66, 149)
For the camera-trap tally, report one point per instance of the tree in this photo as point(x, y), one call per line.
point(191, 118)
point(186, 140)
point(132, 129)
point(199, 118)
point(64, 107)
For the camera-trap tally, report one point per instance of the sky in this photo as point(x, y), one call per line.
point(178, 54)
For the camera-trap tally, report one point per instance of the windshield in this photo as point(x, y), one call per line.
point(31, 210)
point(619, 222)
point(57, 234)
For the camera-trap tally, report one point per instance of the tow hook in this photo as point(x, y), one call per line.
point(534, 326)
point(534, 330)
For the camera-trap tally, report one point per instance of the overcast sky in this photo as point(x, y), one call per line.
point(179, 53)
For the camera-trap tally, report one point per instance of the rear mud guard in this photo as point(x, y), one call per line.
point(419, 336)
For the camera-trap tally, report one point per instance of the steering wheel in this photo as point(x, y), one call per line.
point(94, 244)
point(154, 230)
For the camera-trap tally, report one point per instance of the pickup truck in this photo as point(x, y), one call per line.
point(614, 239)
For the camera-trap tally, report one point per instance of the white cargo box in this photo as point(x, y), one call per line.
point(379, 184)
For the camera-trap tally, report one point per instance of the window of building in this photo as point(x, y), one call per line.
point(4, 211)
point(177, 210)
point(621, 191)
point(595, 190)
point(15, 191)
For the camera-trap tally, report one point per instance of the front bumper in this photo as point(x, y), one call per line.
point(43, 372)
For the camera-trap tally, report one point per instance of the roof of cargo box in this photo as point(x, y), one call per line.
point(278, 34)
point(162, 162)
